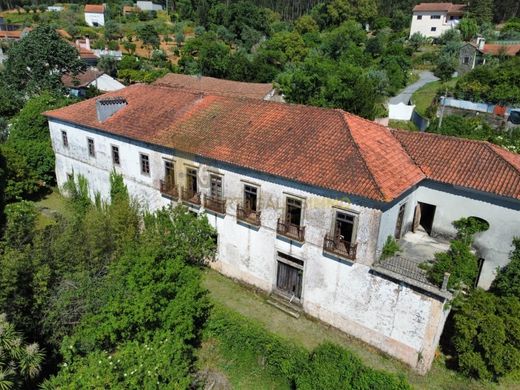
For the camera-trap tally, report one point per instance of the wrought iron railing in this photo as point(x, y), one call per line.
point(168, 188)
point(247, 215)
point(291, 231)
point(214, 203)
point(339, 247)
point(190, 196)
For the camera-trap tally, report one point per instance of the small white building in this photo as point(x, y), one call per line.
point(95, 15)
point(302, 198)
point(79, 84)
point(148, 6)
point(55, 8)
point(432, 19)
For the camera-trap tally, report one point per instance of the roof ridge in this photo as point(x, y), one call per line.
point(392, 130)
point(358, 149)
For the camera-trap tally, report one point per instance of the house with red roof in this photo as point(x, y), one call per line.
point(433, 19)
point(94, 15)
point(302, 198)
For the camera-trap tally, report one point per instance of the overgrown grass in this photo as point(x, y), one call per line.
point(405, 125)
point(424, 97)
point(49, 206)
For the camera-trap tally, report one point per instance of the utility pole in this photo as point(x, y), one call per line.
point(442, 109)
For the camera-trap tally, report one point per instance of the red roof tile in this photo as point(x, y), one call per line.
point(310, 145)
point(473, 164)
point(498, 49)
point(94, 8)
point(215, 86)
point(439, 7)
point(81, 79)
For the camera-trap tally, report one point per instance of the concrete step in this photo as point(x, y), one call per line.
point(283, 304)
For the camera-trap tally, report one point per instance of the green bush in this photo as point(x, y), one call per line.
point(329, 366)
point(390, 248)
point(487, 335)
point(507, 282)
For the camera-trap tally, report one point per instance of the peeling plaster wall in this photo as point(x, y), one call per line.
point(393, 318)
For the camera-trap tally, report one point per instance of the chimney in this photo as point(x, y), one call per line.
point(106, 107)
point(87, 43)
point(481, 41)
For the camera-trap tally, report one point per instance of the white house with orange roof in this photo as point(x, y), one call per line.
point(433, 19)
point(95, 15)
point(302, 198)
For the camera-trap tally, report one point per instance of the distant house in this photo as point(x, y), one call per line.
point(79, 84)
point(473, 54)
point(95, 15)
point(211, 85)
point(85, 52)
point(432, 19)
point(148, 6)
point(13, 35)
point(55, 8)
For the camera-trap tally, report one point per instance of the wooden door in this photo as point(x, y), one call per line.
point(289, 279)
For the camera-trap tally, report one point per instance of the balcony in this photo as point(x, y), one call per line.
point(190, 196)
point(339, 247)
point(216, 204)
point(294, 232)
point(248, 216)
point(169, 189)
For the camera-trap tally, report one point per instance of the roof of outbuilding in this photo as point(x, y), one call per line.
point(473, 164)
point(320, 147)
point(82, 79)
point(498, 49)
point(94, 8)
point(215, 86)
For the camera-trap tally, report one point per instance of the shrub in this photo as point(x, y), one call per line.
point(507, 282)
point(390, 248)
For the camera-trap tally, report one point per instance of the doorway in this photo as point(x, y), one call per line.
point(289, 275)
point(424, 215)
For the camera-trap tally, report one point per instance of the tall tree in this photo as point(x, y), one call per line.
point(37, 62)
point(482, 10)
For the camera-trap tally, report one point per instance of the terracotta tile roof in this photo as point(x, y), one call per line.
point(81, 79)
point(497, 49)
point(15, 34)
point(310, 145)
point(215, 86)
point(439, 7)
point(473, 164)
point(94, 8)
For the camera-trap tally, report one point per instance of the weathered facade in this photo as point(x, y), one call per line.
point(253, 169)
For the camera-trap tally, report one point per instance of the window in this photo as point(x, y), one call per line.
point(433, 29)
point(465, 60)
point(169, 172)
point(216, 186)
point(145, 164)
point(435, 16)
point(64, 139)
point(115, 155)
point(250, 197)
point(191, 180)
point(419, 17)
point(344, 227)
point(91, 149)
point(293, 211)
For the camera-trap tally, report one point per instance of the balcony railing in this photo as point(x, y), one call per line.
point(289, 230)
point(339, 247)
point(190, 196)
point(169, 189)
point(215, 204)
point(249, 216)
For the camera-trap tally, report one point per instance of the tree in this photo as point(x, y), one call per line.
point(50, 58)
point(481, 10)
point(445, 66)
point(108, 65)
point(112, 30)
point(19, 362)
point(306, 24)
point(148, 34)
point(507, 282)
point(416, 40)
point(468, 28)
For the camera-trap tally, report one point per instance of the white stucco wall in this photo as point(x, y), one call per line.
point(390, 316)
point(105, 83)
point(424, 25)
point(494, 245)
point(91, 18)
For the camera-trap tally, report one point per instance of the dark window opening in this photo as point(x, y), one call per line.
point(191, 180)
point(424, 215)
point(145, 164)
point(169, 173)
point(115, 155)
point(435, 16)
point(250, 197)
point(344, 227)
point(91, 149)
point(65, 139)
point(434, 29)
point(465, 61)
point(293, 211)
point(419, 17)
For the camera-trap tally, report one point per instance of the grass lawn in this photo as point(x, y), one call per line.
point(48, 206)
point(405, 125)
point(308, 333)
point(423, 97)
